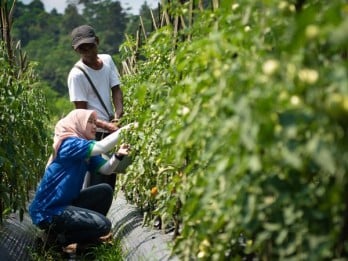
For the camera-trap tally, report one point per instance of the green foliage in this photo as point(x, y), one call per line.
point(243, 131)
point(58, 106)
point(106, 252)
point(23, 139)
point(102, 252)
point(46, 41)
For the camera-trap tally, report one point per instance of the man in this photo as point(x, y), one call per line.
point(102, 92)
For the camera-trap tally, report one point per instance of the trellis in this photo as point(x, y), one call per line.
point(177, 22)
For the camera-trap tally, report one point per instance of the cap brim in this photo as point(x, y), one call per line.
point(84, 41)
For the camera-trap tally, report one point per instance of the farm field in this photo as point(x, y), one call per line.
point(241, 149)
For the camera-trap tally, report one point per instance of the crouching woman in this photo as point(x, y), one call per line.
point(60, 206)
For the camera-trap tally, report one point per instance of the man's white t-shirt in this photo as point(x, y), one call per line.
point(103, 79)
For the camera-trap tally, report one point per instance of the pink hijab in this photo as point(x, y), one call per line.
point(72, 125)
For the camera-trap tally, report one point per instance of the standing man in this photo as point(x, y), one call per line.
point(94, 84)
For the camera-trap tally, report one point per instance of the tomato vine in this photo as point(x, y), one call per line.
point(243, 131)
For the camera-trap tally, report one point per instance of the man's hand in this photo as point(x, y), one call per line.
point(113, 126)
point(109, 126)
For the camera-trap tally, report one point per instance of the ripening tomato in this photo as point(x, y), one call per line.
point(154, 191)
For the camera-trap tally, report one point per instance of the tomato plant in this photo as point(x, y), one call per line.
point(24, 135)
point(242, 131)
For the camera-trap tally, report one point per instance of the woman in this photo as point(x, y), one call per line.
point(60, 207)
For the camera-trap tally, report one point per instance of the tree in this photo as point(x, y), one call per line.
point(71, 19)
point(109, 20)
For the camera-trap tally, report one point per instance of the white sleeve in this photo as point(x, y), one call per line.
point(109, 166)
point(108, 143)
point(77, 85)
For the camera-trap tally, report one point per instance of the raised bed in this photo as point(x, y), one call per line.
point(138, 243)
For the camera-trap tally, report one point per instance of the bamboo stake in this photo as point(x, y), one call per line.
point(159, 10)
point(182, 21)
point(133, 63)
point(176, 29)
point(6, 22)
point(125, 69)
point(137, 41)
point(215, 4)
point(128, 40)
point(200, 5)
point(153, 20)
point(166, 17)
point(143, 28)
point(130, 64)
point(162, 20)
point(190, 20)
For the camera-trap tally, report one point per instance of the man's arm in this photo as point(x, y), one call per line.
point(100, 123)
point(117, 98)
point(80, 104)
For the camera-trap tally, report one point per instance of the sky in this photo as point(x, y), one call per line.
point(61, 4)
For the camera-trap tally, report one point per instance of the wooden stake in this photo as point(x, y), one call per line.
point(143, 28)
point(153, 20)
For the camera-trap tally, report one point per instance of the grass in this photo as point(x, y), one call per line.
point(104, 252)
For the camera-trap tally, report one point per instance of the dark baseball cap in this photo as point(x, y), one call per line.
point(81, 35)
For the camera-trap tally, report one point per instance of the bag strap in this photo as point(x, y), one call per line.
point(94, 88)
